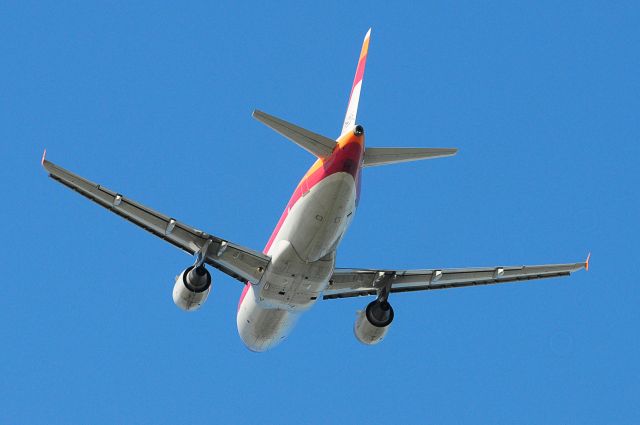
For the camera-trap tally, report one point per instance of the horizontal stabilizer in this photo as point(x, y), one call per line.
point(316, 144)
point(383, 156)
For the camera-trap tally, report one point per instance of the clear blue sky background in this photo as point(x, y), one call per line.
point(154, 100)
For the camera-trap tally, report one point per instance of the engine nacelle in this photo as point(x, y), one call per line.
point(372, 325)
point(192, 288)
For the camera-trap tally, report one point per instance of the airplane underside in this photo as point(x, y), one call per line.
point(303, 260)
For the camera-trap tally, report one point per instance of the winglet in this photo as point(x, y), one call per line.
point(586, 263)
point(44, 157)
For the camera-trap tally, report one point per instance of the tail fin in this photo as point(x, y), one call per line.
point(352, 108)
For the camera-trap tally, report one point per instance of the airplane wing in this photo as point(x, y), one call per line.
point(347, 283)
point(241, 263)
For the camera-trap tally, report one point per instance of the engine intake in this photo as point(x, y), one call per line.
point(372, 325)
point(192, 288)
point(379, 313)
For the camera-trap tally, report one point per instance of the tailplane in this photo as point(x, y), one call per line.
point(384, 156)
point(314, 143)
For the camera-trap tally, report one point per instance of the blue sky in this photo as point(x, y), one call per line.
point(154, 101)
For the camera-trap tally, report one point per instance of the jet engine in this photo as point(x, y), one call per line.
point(192, 288)
point(373, 323)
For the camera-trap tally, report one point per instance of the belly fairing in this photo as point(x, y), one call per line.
point(291, 283)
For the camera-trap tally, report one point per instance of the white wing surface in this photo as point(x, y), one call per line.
point(347, 283)
point(241, 263)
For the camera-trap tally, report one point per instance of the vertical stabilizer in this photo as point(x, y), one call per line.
point(352, 108)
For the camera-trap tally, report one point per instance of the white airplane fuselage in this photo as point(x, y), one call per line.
point(303, 247)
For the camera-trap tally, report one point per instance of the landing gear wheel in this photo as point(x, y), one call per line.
point(379, 313)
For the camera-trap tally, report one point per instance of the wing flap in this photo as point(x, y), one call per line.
point(241, 263)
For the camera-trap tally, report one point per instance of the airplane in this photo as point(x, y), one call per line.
point(297, 265)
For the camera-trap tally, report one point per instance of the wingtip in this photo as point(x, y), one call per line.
point(368, 33)
point(44, 157)
point(586, 263)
